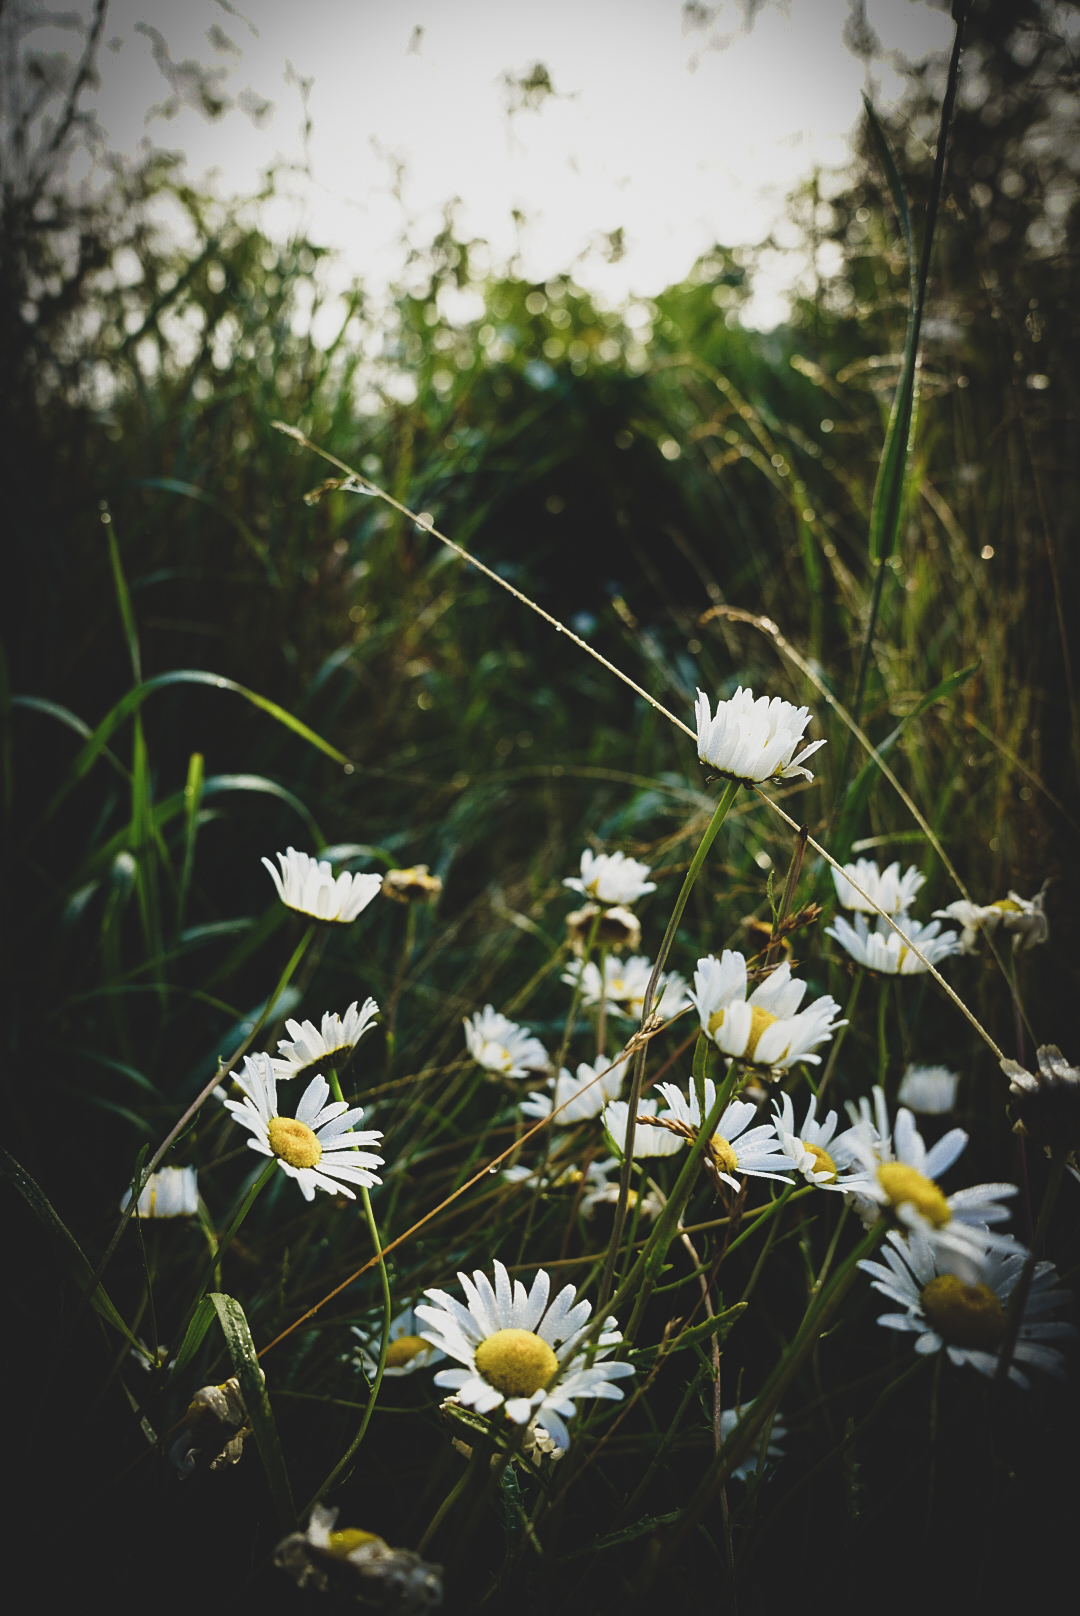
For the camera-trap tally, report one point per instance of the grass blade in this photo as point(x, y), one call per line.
point(253, 1385)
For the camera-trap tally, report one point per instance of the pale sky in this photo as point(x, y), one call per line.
point(653, 129)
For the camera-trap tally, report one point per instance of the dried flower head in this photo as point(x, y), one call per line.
point(215, 1426)
point(360, 1564)
point(413, 885)
point(616, 928)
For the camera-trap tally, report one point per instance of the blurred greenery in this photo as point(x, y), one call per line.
point(631, 471)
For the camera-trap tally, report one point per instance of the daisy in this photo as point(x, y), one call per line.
point(317, 1146)
point(500, 1045)
point(329, 1046)
point(890, 890)
point(623, 987)
point(929, 1089)
point(883, 950)
point(730, 1418)
point(519, 1351)
point(604, 1191)
point(580, 1097)
point(611, 878)
point(752, 740)
point(406, 1350)
point(732, 1149)
point(959, 1301)
point(359, 1565)
point(308, 885)
point(819, 1157)
point(767, 1028)
point(648, 1141)
point(171, 1192)
point(896, 1175)
point(1024, 917)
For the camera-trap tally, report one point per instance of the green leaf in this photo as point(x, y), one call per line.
point(647, 1523)
point(133, 700)
point(858, 792)
point(193, 793)
point(77, 1260)
point(253, 1386)
point(70, 720)
point(720, 1324)
point(205, 1314)
point(172, 485)
point(123, 599)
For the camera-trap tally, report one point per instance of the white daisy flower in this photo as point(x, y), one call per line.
point(500, 1045)
point(623, 987)
point(1024, 917)
point(317, 1147)
point(929, 1089)
point(735, 1147)
point(648, 1141)
point(308, 884)
point(753, 740)
point(406, 1351)
point(767, 1029)
point(890, 890)
point(611, 878)
point(604, 1191)
point(730, 1418)
point(959, 1301)
point(896, 1175)
point(171, 1192)
point(882, 949)
point(818, 1155)
point(582, 1096)
point(519, 1351)
point(330, 1045)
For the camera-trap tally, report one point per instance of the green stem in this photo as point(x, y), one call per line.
point(477, 1462)
point(719, 815)
point(214, 1263)
point(849, 1012)
point(383, 1345)
point(1014, 1317)
point(882, 1044)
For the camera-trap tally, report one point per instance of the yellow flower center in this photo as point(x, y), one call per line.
point(759, 1020)
point(1007, 905)
point(294, 1142)
point(405, 1349)
point(616, 987)
point(823, 1162)
point(516, 1362)
point(905, 1184)
point(723, 1155)
point(343, 1543)
point(964, 1315)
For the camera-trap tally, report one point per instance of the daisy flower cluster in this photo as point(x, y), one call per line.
point(878, 947)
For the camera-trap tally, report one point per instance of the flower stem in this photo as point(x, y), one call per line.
point(214, 1262)
point(849, 1011)
point(719, 815)
point(383, 1344)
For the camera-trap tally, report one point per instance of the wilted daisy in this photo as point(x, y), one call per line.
point(753, 740)
point(896, 1175)
point(611, 878)
point(767, 1028)
point(578, 1098)
point(519, 1351)
point(329, 1045)
point(413, 885)
point(623, 987)
point(1025, 917)
point(317, 1146)
point(735, 1147)
point(309, 885)
point(959, 1301)
point(889, 890)
point(359, 1565)
point(616, 928)
point(818, 1155)
point(406, 1350)
point(171, 1192)
point(730, 1418)
point(1047, 1105)
point(882, 949)
point(929, 1089)
point(648, 1141)
point(215, 1427)
point(500, 1045)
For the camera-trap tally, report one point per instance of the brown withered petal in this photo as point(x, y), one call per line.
point(215, 1426)
point(413, 885)
point(1046, 1105)
point(359, 1564)
point(618, 928)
